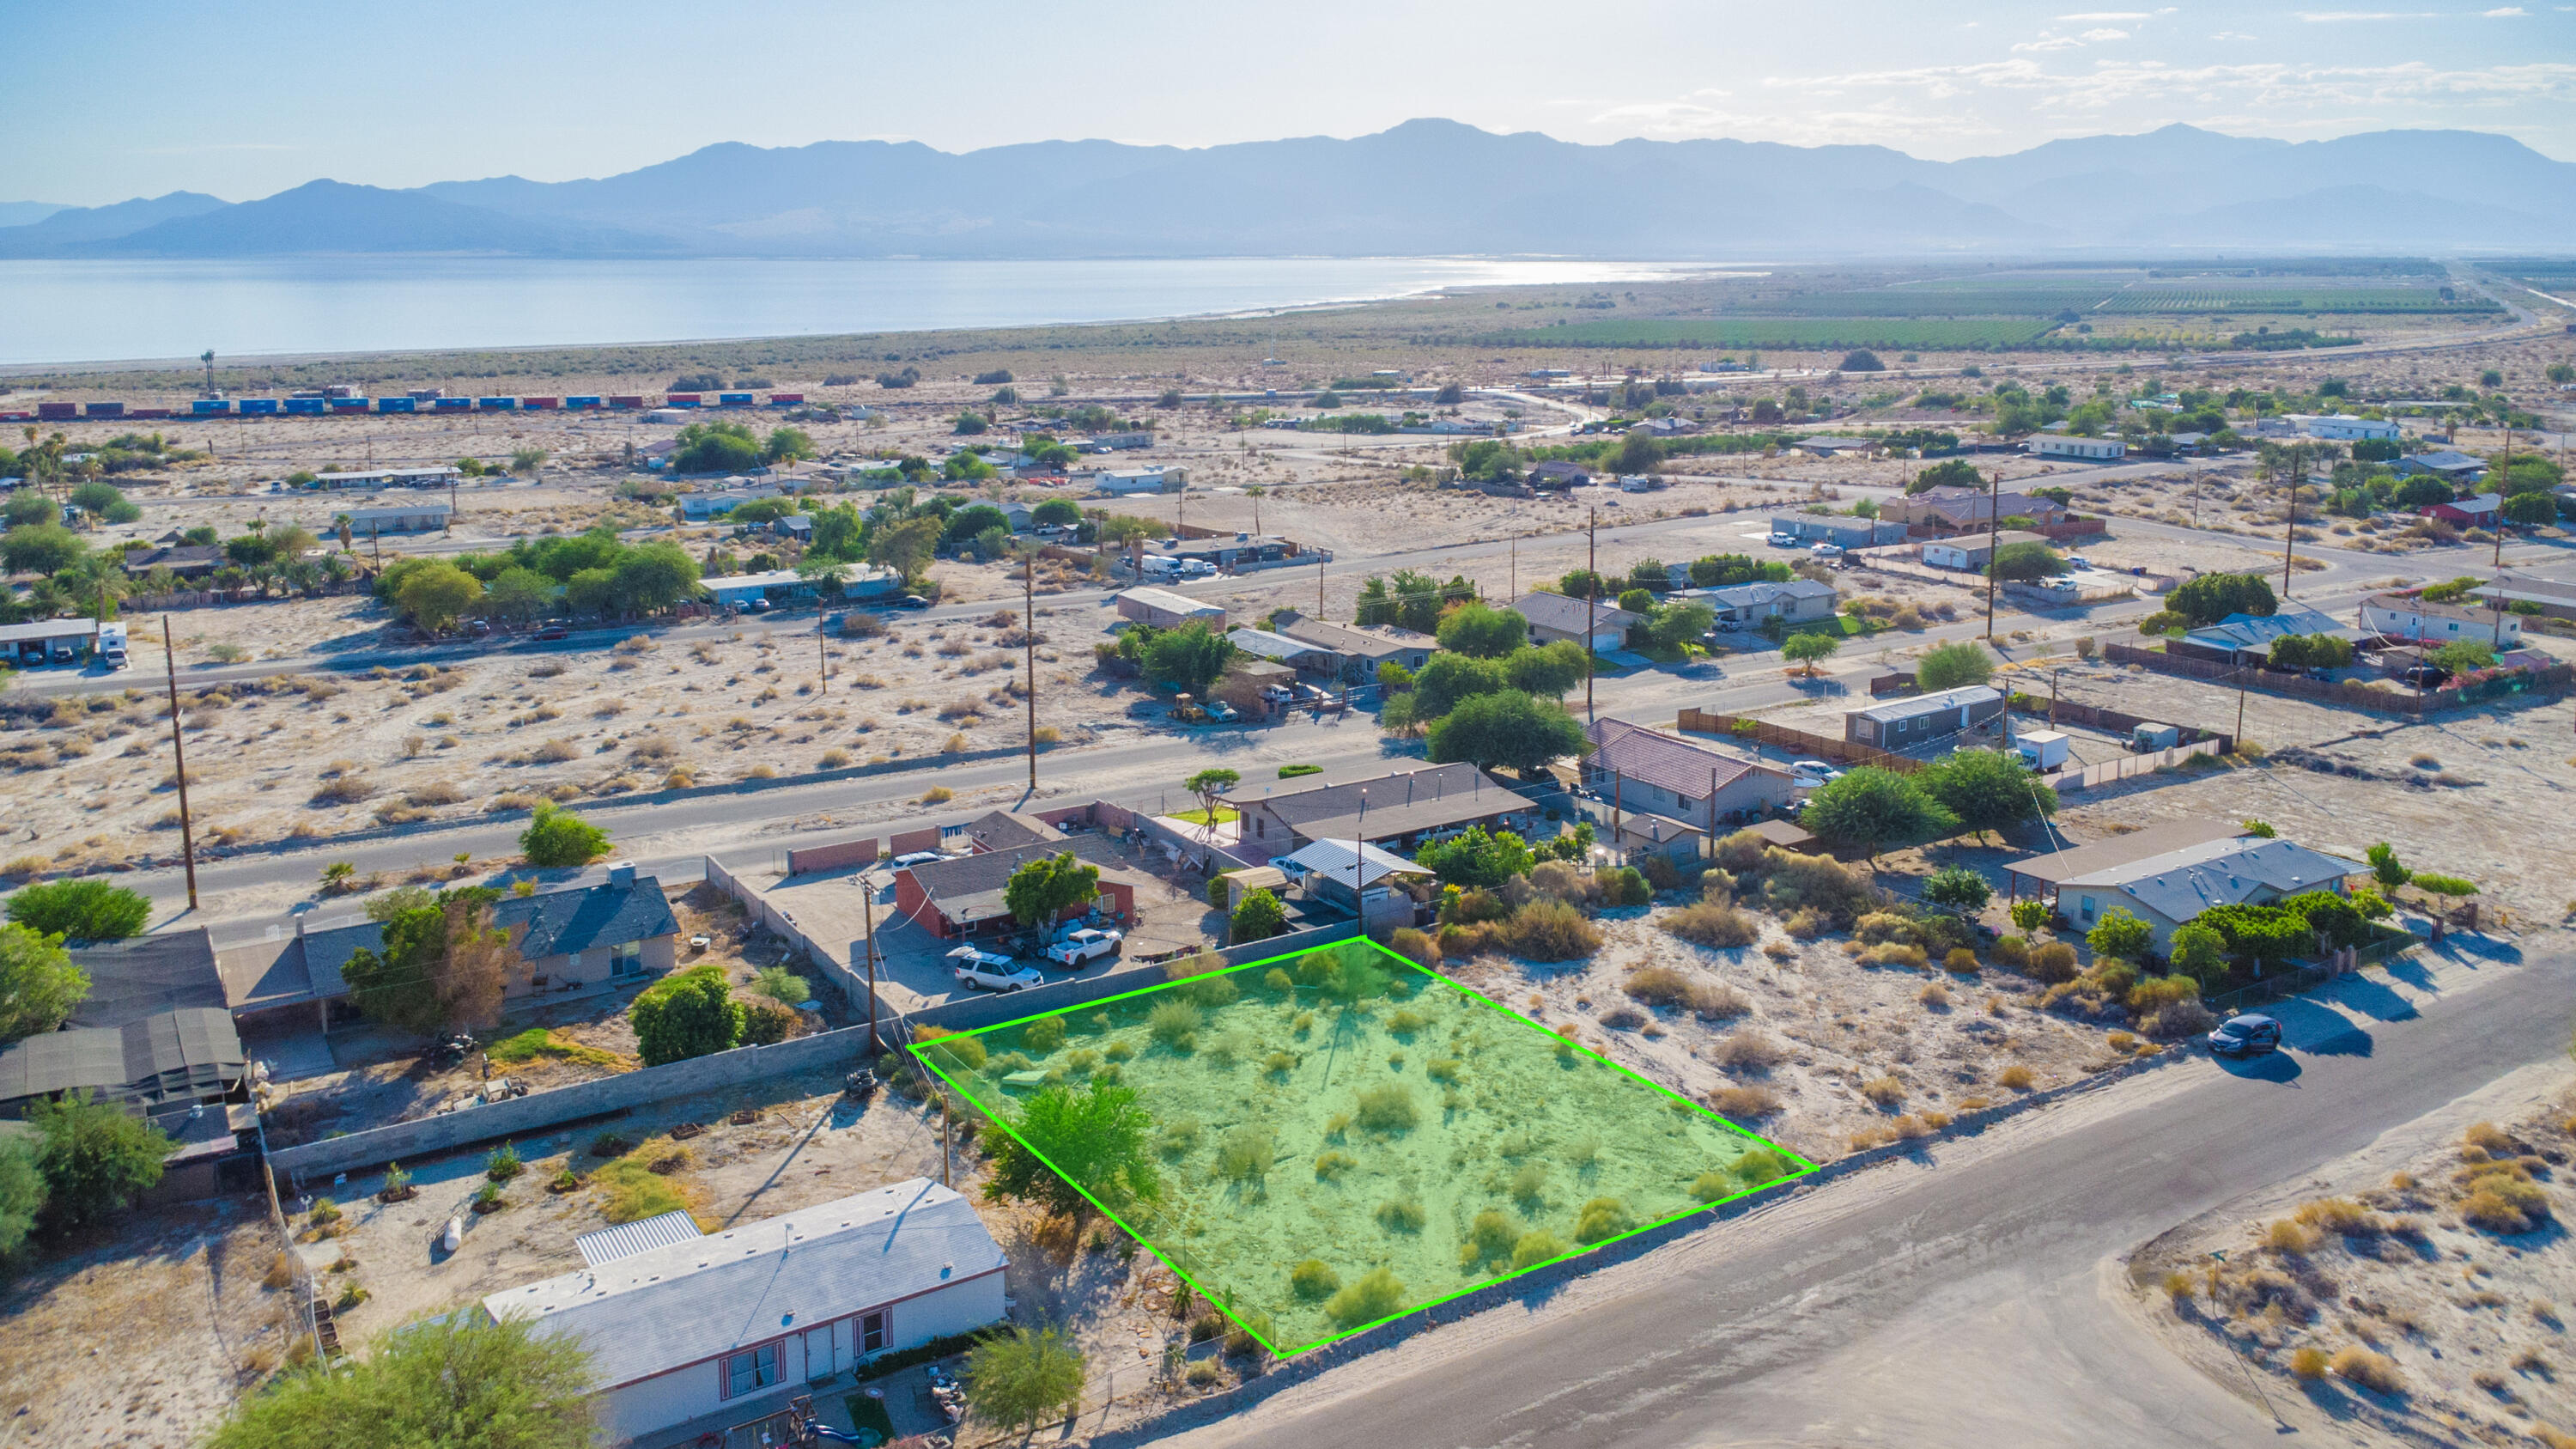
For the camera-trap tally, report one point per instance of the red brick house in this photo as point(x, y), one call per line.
point(962, 895)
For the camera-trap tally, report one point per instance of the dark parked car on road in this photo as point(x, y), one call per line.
point(2246, 1036)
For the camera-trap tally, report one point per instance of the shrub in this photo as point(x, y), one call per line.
point(1490, 1236)
point(2017, 1077)
point(1746, 1104)
point(2051, 963)
point(1895, 954)
point(1712, 923)
point(956, 1053)
point(503, 1163)
point(1961, 961)
point(2503, 1202)
point(686, 1015)
point(1331, 1165)
point(2373, 1371)
point(1400, 1215)
point(80, 910)
point(1626, 886)
point(1174, 1023)
point(1602, 1217)
point(1549, 930)
point(1748, 1051)
point(2013, 951)
point(765, 1023)
point(1311, 1279)
point(1043, 1035)
point(1535, 1247)
point(557, 839)
point(2307, 1364)
point(1376, 1295)
point(1712, 1185)
point(1386, 1108)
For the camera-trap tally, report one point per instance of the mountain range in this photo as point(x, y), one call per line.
point(1427, 187)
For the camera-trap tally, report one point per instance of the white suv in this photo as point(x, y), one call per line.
point(985, 971)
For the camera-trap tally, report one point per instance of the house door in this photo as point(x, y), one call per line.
point(820, 1355)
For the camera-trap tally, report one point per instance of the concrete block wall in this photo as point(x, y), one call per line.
point(832, 857)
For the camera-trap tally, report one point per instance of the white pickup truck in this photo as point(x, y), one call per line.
point(1084, 945)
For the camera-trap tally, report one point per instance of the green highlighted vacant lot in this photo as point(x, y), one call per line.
point(1325, 1141)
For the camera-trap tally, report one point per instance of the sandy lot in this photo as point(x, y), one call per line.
point(2384, 1256)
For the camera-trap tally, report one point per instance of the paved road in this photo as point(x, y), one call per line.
point(1959, 1302)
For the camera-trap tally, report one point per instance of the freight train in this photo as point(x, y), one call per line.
point(318, 405)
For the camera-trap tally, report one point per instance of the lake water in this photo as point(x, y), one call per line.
point(89, 311)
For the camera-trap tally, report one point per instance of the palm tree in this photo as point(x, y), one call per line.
point(336, 567)
point(348, 535)
point(44, 599)
point(304, 576)
point(99, 579)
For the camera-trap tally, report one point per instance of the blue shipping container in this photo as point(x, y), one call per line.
point(733, 399)
point(258, 406)
point(350, 404)
point(306, 405)
point(581, 402)
point(209, 407)
point(497, 404)
point(394, 405)
point(453, 404)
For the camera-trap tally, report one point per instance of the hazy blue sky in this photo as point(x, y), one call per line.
point(111, 99)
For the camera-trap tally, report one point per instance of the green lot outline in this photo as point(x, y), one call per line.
point(1803, 1165)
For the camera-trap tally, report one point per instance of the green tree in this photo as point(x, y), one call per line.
point(104, 503)
point(1056, 513)
point(518, 594)
point(2531, 509)
point(1208, 785)
point(1953, 665)
point(2021, 563)
point(96, 1159)
point(2462, 656)
point(39, 985)
point(1986, 789)
point(1100, 1139)
point(2199, 952)
point(2120, 936)
point(1447, 679)
point(1809, 649)
point(1475, 859)
point(2207, 598)
point(28, 506)
point(718, 447)
point(443, 962)
point(527, 461)
point(41, 548)
point(787, 445)
point(1950, 473)
point(455, 1380)
point(1684, 621)
point(1506, 731)
point(1022, 1376)
point(22, 1193)
point(964, 524)
point(558, 839)
point(1044, 889)
point(1870, 807)
point(1957, 889)
point(689, 1014)
point(81, 910)
point(1549, 671)
point(2386, 868)
point(2424, 492)
point(1190, 658)
point(1483, 631)
point(436, 594)
point(1257, 917)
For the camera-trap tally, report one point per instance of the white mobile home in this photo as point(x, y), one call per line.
point(684, 1328)
point(2067, 445)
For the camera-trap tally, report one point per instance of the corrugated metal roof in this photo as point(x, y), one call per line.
point(1332, 859)
point(1897, 709)
point(628, 1239)
point(687, 1302)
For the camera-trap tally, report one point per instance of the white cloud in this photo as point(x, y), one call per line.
point(2234, 35)
point(2333, 17)
point(2048, 43)
point(2505, 12)
point(2117, 14)
point(2105, 34)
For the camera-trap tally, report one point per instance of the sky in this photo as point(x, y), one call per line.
point(114, 98)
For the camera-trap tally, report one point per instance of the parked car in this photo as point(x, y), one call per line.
point(2426, 676)
point(2246, 1036)
point(1220, 712)
point(1826, 550)
point(554, 631)
point(984, 971)
point(1084, 945)
point(2078, 561)
point(1784, 540)
point(1811, 773)
point(912, 601)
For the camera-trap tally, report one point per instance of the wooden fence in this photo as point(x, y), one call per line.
point(2349, 693)
point(1800, 742)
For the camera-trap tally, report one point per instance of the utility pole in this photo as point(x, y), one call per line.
point(1591, 602)
point(179, 757)
point(822, 660)
point(2298, 463)
point(1994, 543)
point(1029, 639)
point(1319, 586)
point(868, 924)
point(1516, 566)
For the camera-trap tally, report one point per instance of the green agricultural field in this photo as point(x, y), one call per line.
point(1932, 299)
point(2356, 301)
point(1923, 334)
point(1333, 1139)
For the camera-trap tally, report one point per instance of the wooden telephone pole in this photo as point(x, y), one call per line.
point(1591, 602)
point(1994, 544)
point(1029, 639)
point(179, 759)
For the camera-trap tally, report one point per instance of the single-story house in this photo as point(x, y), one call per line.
point(699, 507)
point(398, 518)
point(777, 586)
point(1357, 878)
point(1974, 550)
point(1631, 836)
point(436, 475)
point(2166, 891)
point(145, 976)
point(2345, 427)
point(1598, 623)
point(727, 1326)
point(1647, 770)
point(794, 526)
point(2555, 598)
point(2041, 874)
point(2409, 617)
point(57, 640)
point(1557, 474)
point(1903, 724)
point(1740, 606)
point(1400, 805)
point(619, 930)
point(962, 894)
point(1122, 482)
point(1839, 529)
point(1005, 830)
point(1830, 447)
point(1294, 653)
point(1164, 609)
point(2482, 511)
point(186, 560)
point(2070, 446)
point(2247, 638)
point(1952, 509)
point(1133, 438)
point(157, 1066)
point(1358, 649)
point(2447, 464)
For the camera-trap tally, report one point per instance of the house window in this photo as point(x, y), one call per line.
point(872, 1331)
point(2085, 910)
point(626, 960)
point(754, 1369)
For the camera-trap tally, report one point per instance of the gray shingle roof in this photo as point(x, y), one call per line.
point(689, 1301)
point(2181, 884)
point(1400, 802)
point(1652, 757)
point(1568, 615)
point(1761, 592)
point(562, 922)
point(1353, 640)
point(132, 979)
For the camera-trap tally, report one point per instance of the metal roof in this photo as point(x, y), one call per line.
point(1271, 646)
point(172, 1057)
point(1921, 704)
point(2119, 850)
point(1172, 603)
point(687, 1302)
point(48, 629)
point(643, 1235)
point(132, 979)
point(1569, 615)
point(1333, 860)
